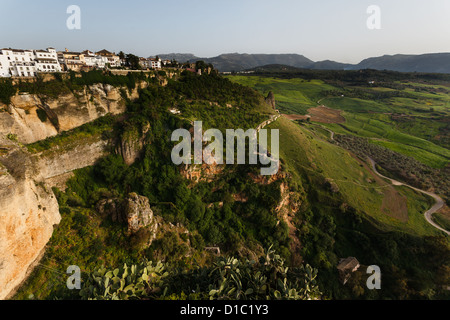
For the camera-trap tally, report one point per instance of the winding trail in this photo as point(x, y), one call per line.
point(428, 214)
point(439, 202)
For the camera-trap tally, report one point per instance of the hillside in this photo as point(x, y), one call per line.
point(402, 116)
point(428, 63)
point(431, 63)
point(194, 207)
point(121, 199)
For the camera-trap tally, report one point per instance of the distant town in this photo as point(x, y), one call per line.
point(28, 63)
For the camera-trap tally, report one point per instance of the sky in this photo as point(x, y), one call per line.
point(320, 29)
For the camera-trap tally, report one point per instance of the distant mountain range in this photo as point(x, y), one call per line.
point(431, 63)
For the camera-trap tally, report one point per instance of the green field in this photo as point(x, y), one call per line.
point(293, 96)
point(309, 157)
point(417, 133)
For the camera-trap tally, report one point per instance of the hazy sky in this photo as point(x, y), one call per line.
point(319, 29)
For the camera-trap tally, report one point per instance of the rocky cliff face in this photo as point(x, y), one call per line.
point(134, 210)
point(28, 212)
point(131, 144)
point(28, 207)
point(83, 153)
point(270, 100)
point(67, 111)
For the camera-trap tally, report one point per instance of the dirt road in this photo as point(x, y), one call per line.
point(428, 214)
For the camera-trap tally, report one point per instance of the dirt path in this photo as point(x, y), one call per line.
point(265, 123)
point(428, 214)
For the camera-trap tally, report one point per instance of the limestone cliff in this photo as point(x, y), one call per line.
point(67, 111)
point(28, 207)
point(270, 100)
point(28, 212)
point(131, 143)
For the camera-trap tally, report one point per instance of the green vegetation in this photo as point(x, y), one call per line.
point(73, 82)
point(7, 90)
point(102, 126)
point(227, 278)
point(348, 221)
point(208, 210)
point(42, 115)
point(442, 219)
point(405, 168)
point(403, 112)
point(293, 96)
point(337, 206)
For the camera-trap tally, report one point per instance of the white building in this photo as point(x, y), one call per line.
point(19, 63)
point(4, 66)
point(93, 60)
point(47, 61)
point(155, 63)
point(109, 58)
point(27, 63)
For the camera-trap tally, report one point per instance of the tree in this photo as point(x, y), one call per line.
point(132, 62)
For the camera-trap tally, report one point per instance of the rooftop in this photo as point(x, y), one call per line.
point(349, 263)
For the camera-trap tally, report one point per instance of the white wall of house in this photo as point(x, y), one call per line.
point(27, 63)
point(4, 66)
point(156, 64)
point(47, 61)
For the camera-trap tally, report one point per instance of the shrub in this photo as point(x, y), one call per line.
point(42, 115)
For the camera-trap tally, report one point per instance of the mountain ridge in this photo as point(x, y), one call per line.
point(229, 62)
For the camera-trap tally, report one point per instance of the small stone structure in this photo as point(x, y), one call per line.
point(213, 250)
point(346, 267)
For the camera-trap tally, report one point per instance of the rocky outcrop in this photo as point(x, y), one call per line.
point(134, 210)
point(65, 112)
point(203, 172)
point(80, 154)
point(28, 207)
point(28, 212)
point(138, 213)
point(270, 100)
point(131, 144)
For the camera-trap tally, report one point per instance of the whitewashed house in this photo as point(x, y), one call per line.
point(4, 66)
point(47, 61)
point(155, 63)
point(109, 58)
point(27, 63)
point(20, 63)
point(93, 60)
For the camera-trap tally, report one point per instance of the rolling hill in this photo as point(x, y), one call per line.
point(431, 63)
point(434, 63)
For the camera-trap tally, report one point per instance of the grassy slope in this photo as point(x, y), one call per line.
point(293, 96)
point(304, 155)
point(381, 129)
point(367, 118)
